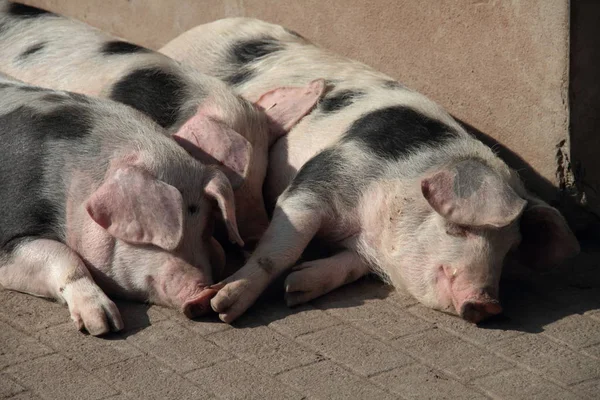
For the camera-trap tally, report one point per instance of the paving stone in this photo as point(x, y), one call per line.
point(16, 347)
point(88, 351)
point(552, 359)
point(326, 380)
point(354, 294)
point(137, 316)
point(264, 348)
point(294, 321)
point(25, 396)
point(235, 379)
point(401, 297)
point(452, 354)
point(202, 326)
point(486, 332)
point(593, 351)
point(521, 384)
point(589, 388)
point(179, 348)
point(30, 313)
point(355, 350)
point(59, 378)
point(575, 330)
point(143, 377)
point(9, 387)
point(382, 319)
point(417, 381)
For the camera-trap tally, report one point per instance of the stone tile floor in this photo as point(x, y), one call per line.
point(364, 341)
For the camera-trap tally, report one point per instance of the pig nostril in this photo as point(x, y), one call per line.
point(476, 312)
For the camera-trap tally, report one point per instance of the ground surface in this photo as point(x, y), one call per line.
point(364, 341)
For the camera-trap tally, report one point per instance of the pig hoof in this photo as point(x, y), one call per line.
point(200, 305)
point(233, 300)
point(303, 285)
point(91, 309)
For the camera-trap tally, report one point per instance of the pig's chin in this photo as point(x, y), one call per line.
point(443, 294)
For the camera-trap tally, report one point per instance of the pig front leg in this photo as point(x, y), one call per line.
point(47, 268)
point(312, 279)
point(293, 226)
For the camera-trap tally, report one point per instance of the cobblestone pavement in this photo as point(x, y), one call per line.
point(363, 341)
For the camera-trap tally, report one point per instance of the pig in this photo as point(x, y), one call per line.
point(380, 172)
point(98, 200)
point(200, 112)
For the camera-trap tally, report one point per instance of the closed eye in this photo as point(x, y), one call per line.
point(457, 230)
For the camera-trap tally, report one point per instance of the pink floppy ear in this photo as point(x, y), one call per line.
point(212, 142)
point(471, 194)
point(218, 188)
point(285, 106)
point(137, 208)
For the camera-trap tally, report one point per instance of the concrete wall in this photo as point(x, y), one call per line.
point(501, 67)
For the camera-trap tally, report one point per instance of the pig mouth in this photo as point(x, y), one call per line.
point(200, 304)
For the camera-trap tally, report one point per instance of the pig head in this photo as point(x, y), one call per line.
point(448, 234)
point(227, 137)
point(148, 224)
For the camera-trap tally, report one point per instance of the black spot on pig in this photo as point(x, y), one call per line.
point(31, 50)
point(393, 132)
point(32, 89)
point(247, 51)
point(54, 98)
point(116, 47)
point(27, 211)
point(239, 77)
point(69, 122)
point(152, 91)
point(23, 11)
point(339, 100)
point(393, 85)
point(267, 265)
point(318, 174)
point(80, 98)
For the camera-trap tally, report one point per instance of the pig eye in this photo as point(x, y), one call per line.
point(456, 230)
point(192, 209)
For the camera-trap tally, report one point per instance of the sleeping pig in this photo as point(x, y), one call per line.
point(380, 171)
point(201, 112)
point(96, 198)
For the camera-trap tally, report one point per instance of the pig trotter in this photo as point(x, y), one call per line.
point(292, 227)
point(54, 270)
point(91, 309)
point(315, 278)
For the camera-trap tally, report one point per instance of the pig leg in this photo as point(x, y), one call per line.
point(312, 279)
point(289, 233)
point(48, 268)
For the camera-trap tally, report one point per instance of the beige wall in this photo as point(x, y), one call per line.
point(500, 66)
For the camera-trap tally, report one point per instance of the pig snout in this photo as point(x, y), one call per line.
point(477, 309)
point(186, 288)
point(471, 302)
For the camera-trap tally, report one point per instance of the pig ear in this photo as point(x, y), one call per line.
point(137, 208)
point(546, 240)
point(219, 189)
point(285, 106)
point(471, 194)
point(212, 142)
